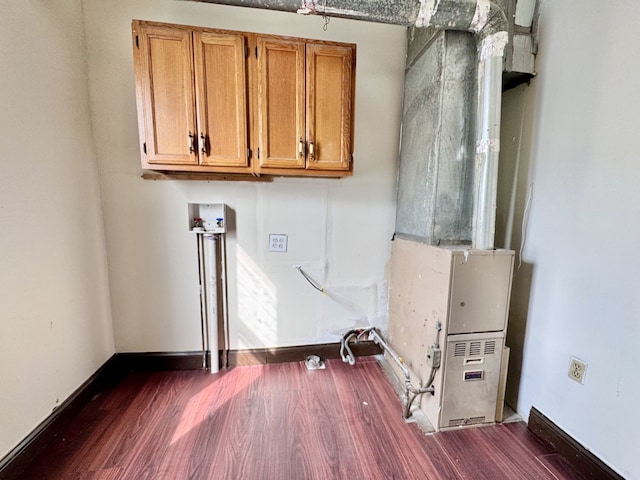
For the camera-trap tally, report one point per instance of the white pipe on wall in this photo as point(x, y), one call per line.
point(491, 53)
point(203, 299)
point(225, 299)
point(211, 298)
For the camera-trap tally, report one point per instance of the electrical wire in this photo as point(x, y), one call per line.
point(325, 17)
point(311, 281)
point(428, 388)
point(525, 223)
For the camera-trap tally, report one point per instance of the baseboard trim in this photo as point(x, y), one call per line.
point(160, 361)
point(114, 369)
point(263, 356)
point(16, 461)
point(582, 460)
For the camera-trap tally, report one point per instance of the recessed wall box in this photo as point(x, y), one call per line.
point(207, 217)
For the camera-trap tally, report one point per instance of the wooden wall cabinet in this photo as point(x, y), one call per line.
point(305, 106)
point(191, 98)
point(216, 101)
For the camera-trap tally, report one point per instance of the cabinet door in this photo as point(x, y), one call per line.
point(165, 92)
point(281, 103)
point(329, 106)
point(221, 99)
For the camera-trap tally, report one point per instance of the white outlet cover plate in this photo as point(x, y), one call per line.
point(277, 242)
point(577, 370)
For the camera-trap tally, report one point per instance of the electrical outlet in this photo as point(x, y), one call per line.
point(277, 242)
point(577, 370)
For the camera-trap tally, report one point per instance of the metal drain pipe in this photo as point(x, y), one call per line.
point(410, 391)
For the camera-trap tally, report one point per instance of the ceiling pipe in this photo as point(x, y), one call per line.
point(483, 18)
point(380, 11)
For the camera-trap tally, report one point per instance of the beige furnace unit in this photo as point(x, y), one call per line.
point(466, 292)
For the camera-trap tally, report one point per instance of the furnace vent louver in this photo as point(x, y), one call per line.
point(490, 347)
point(474, 349)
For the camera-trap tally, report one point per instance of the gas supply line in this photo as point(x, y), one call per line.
point(410, 391)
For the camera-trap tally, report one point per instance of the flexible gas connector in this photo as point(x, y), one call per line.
point(410, 391)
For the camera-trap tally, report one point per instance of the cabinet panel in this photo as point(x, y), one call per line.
point(211, 100)
point(221, 99)
point(167, 95)
point(480, 289)
point(281, 103)
point(329, 98)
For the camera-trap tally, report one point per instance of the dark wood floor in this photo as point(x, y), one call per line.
point(279, 422)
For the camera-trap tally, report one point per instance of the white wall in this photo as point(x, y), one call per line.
point(339, 230)
point(55, 323)
point(578, 290)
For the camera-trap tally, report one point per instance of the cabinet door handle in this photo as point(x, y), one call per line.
point(192, 142)
point(301, 148)
point(203, 144)
point(311, 151)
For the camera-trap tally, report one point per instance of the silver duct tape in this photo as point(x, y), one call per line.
point(481, 15)
point(308, 7)
point(493, 45)
point(486, 145)
point(427, 9)
point(341, 12)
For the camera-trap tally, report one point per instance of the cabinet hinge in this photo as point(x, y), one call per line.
point(249, 153)
point(144, 147)
point(246, 51)
point(137, 41)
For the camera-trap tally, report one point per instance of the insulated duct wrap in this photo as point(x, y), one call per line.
point(481, 17)
point(381, 11)
point(467, 15)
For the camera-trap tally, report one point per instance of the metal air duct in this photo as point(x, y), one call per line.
point(488, 21)
point(483, 18)
point(381, 11)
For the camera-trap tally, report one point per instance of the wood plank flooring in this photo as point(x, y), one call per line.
point(272, 422)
